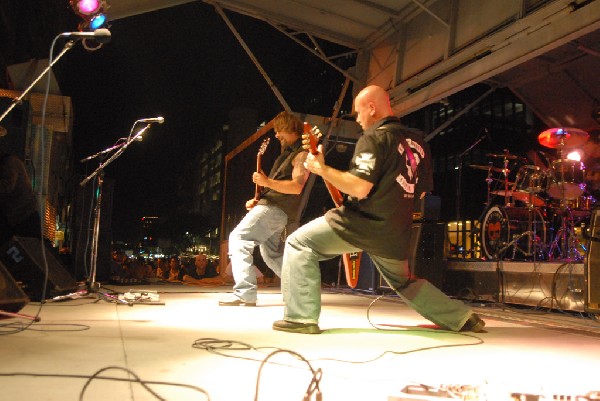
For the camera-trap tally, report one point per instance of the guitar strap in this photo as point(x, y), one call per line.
point(410, 154)
point(287, 159)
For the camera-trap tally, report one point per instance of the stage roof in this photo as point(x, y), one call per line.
point(561, 85)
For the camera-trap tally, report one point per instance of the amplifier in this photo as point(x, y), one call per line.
point(427, 209)
point(591, 268)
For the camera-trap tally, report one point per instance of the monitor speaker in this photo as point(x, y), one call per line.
point(591, 268)
point(24, 260)
point(12, 298)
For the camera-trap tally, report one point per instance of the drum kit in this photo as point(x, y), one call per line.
point(536, 215)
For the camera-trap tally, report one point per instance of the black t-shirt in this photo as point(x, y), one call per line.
point(282, 170)
point(381, 223)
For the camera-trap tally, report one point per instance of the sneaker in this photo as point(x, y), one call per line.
point(474, 324)
point(235, 301)
point(294, 327)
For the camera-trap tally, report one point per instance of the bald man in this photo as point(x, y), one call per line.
point(376, 216)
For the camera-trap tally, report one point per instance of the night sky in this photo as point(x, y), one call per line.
point(182, 63)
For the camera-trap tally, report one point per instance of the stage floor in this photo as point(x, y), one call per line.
point(186, 345)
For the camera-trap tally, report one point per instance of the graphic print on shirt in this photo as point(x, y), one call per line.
point(365, 163)
point(408, 183)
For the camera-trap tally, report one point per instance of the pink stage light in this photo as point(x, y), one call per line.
point(88, 7)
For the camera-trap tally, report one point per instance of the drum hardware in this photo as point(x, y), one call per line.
point(487, 168)
point(565, 243)
point(459, 179)
point(489, 179)
point(504, 155)
point(567, 184)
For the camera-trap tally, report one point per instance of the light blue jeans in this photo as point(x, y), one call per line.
point(261, 226)
point(301, 279)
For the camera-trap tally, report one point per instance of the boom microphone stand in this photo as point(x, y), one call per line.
point(459, 189)
point(68, 46)
point(93, 287)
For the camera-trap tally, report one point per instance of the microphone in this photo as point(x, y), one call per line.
point(102, 35)
point(159, 120)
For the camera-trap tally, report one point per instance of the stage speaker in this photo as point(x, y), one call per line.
point(12, 298)
point(426, 258)
point(15, 124)
point(24, 260)
point(368, 277)
point(591, 268)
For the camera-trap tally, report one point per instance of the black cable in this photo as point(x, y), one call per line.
point(137, 380)
point(316, 374)
point(96, 376)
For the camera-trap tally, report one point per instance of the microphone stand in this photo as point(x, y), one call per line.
point(93, 287)
point(459, 181)
point(68, 46)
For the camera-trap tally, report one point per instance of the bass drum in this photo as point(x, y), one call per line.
point(505, 233)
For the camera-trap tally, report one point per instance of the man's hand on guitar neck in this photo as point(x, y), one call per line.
point(260, 179)
point(315, 162)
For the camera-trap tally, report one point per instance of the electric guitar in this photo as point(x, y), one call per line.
point(258, 189)
point(351, 261)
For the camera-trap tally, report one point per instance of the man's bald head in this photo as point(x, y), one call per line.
point(371, 105)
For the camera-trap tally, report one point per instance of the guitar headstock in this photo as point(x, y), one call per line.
point(263, 146)
point(311, 137)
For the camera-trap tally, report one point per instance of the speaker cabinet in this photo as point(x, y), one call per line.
point(427, 252)
point(369, 279)
point(23, 258)
point(12, 298)
point(15, 124)
point(591, 268)
point(426, 258)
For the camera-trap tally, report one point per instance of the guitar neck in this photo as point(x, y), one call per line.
point(258, 188)
point(310, 139)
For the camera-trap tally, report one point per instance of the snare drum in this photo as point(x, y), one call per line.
point(568, 179)
point(502, 230)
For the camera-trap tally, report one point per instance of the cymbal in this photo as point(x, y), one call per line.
point(491, 168)
point(503, 156)
point(563, 138)
point(523, 196)
point(528, 198)
point(502, 193)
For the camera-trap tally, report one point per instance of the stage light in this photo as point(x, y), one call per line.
point(92, 13)
point(97, 21)
point(86, 7)
point(575, 155)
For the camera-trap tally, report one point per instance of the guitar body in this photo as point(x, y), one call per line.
point(258, 189)
point(351, 261)
point(352, 267)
